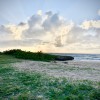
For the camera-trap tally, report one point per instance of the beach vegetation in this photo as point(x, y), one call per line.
point(36, 56)
point(19, 85)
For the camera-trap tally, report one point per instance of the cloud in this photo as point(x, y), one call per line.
point(83, 40)
point(34, 27)
point(5, 33)
point(39, 12)
point(50, 32)
point(21, 24)
point(17, 29)
point(34, 20)
point(52, 21)
point(99, 12)
point(4, 30)
point(91, 24)
point(18, 43)
point(49, 27)
point(49, 13)
point(58, 42)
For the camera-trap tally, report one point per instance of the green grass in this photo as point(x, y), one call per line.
point(17, 85)
point(6, 59)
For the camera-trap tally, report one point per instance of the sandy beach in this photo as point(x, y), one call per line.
point(76, 70)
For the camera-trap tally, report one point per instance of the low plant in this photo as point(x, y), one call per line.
point(16, 85)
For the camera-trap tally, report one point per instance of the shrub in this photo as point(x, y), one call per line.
point(38, 56)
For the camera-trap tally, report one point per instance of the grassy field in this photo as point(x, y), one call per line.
point(17, 85)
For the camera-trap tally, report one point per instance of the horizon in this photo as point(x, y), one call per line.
point(68, 26)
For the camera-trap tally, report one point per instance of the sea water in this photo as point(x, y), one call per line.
point(81, 57)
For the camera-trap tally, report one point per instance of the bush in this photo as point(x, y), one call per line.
point(38, 56)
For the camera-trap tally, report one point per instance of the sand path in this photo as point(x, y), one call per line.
point(77, 70)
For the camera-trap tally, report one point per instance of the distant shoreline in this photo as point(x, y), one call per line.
point(81, 57)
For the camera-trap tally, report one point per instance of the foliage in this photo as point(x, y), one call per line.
point(39, 56)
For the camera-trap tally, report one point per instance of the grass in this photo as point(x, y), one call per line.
point(17, 85)
point(6, 59)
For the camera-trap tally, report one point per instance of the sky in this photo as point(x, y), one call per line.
point(59, 26)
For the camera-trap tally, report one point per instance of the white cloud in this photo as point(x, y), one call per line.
point(17, 30)
point(50, 32)
point(80, 35)
point(18, 43)
point(91, 24)
point(52, 22)
point(48, 28)
point(39, 12)
point(5, 33)
point(83, 40)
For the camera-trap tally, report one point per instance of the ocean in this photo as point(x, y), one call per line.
point(82, 57)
